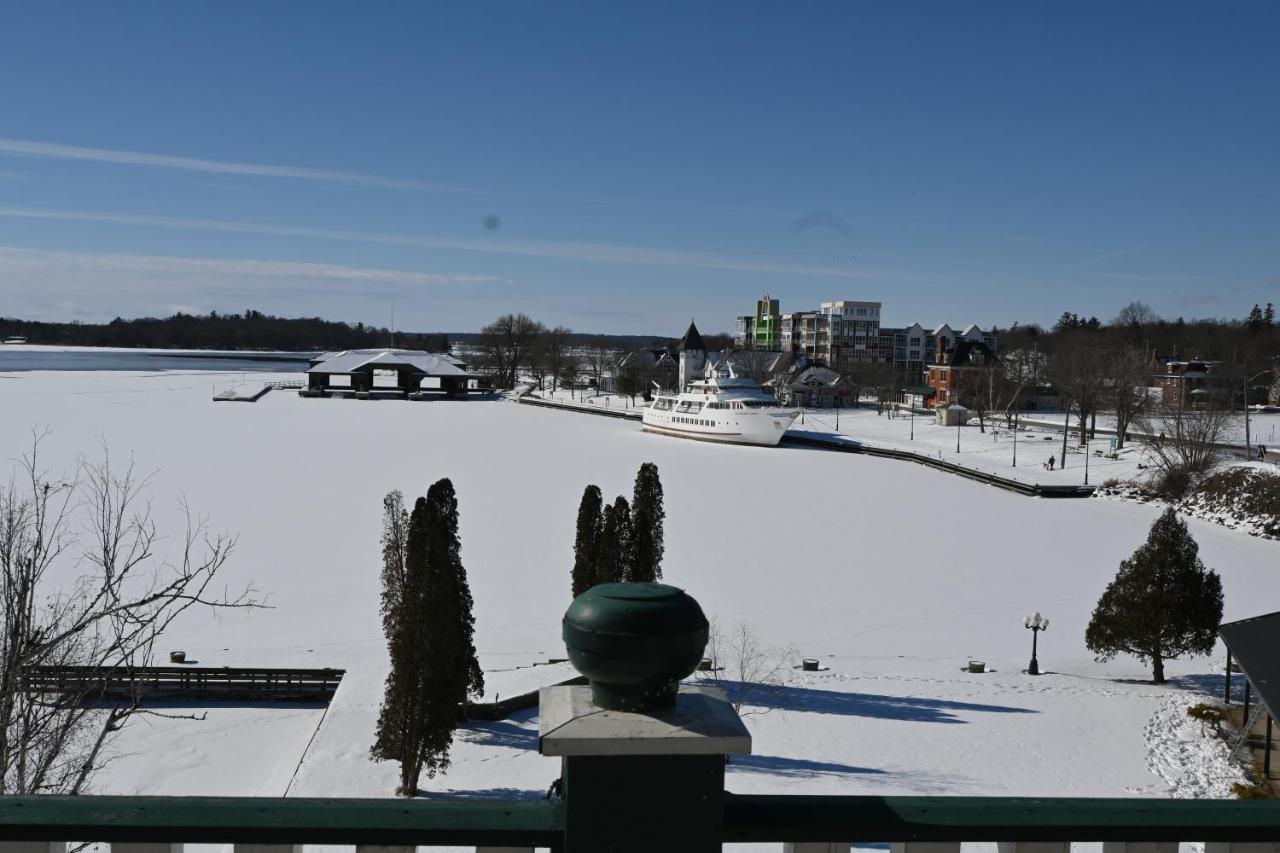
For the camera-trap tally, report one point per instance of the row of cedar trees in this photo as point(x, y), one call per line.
point(622, 541)
point(427, 619)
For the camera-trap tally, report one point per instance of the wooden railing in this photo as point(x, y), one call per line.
point(803, 824)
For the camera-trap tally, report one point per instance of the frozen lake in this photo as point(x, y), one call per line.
point(891, 574)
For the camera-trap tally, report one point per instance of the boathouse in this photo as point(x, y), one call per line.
point(394, 371)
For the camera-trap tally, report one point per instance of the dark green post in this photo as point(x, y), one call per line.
point(642, 756)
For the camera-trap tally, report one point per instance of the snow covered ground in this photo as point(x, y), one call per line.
point(892, 575)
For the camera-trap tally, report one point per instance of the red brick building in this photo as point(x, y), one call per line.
point(956, 375)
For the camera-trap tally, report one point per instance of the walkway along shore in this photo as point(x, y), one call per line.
point(837, 444)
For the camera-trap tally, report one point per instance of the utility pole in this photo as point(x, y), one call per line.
point(1248, 451)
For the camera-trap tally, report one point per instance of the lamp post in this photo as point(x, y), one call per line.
point(956, 402)
point(1015, 439)
point(913, 422)
point(1035, 624)
point(1248, 450)
point(1086, 460)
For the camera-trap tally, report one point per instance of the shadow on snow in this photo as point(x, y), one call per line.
point(907, 708)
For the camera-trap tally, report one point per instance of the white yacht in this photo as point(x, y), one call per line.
point(722, 407)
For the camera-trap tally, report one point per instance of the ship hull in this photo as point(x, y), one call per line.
point(760, 431)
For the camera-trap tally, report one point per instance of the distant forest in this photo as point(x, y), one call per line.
point(251, 330)
point(254, 330)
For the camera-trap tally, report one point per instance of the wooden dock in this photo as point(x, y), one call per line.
point(91, 683)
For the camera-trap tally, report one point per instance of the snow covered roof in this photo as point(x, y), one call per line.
point(349, 361)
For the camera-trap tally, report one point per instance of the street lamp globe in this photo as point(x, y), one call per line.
point(1035, 623)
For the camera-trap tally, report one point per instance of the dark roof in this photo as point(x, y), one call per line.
point(1253, 643)
point(964, 350)
point(692, 340)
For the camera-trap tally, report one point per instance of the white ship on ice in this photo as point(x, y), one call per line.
point(718, 407)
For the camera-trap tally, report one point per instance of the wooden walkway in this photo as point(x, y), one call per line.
point(235, 397)
point(184, 682)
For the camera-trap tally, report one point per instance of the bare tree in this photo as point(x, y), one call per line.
point(742, 666)
point(1136, 315)
point(599, 358)
point(1078, 372)
point(1183, 442)
point(754, 364)
point(551, 353)
point(1126, 377)
point(504, 346)
point(97, 521)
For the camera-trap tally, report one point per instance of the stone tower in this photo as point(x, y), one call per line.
point(693, 356)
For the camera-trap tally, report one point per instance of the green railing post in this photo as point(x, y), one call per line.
point(642, 758)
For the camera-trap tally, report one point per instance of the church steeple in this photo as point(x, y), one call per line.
point(692, 341)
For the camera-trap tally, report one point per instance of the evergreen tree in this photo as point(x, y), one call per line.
point(433, 657)
point(1254, 320)
point(1162, 604)
point(586, 543)
point(612, 560)
point(395, 531)
point(647, 514)
point(1269, 314)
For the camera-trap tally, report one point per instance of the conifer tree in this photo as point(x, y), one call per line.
point(615, 543)
point(433, 657)
point(395, 532)
point(586, 542)
point(647, 515)
point(1269, 314)
point(1254, 320)
point(1162, 604)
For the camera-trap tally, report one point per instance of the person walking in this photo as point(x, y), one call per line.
point(1052, 460)
point(1262, 452)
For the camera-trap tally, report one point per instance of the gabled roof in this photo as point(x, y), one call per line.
point(692, 341)
point(1253, 643)
point(964, 351)
point(349, 361)
point(939, 329)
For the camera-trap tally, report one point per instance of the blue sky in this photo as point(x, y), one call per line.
point(625, 167)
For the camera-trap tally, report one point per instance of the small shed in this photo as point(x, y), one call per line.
point(952, 414)
point(918, 396)
point(1252, 643)
point(358, 370)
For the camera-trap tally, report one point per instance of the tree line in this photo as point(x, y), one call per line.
point(251, 330)
point(620, 542)
point(516, 345)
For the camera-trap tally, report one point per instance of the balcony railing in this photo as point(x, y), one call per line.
point(640, 778)
point(797, 823)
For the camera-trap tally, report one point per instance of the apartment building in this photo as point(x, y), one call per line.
point(847, 332)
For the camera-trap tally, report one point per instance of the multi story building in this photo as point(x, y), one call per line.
point(848, 332)
point(958, 373)
point(761, 330)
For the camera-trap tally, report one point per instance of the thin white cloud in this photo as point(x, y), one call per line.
point(59, 151)
point(25, 148)
point(41, 283)
point(14, 261)
point(599, 252)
